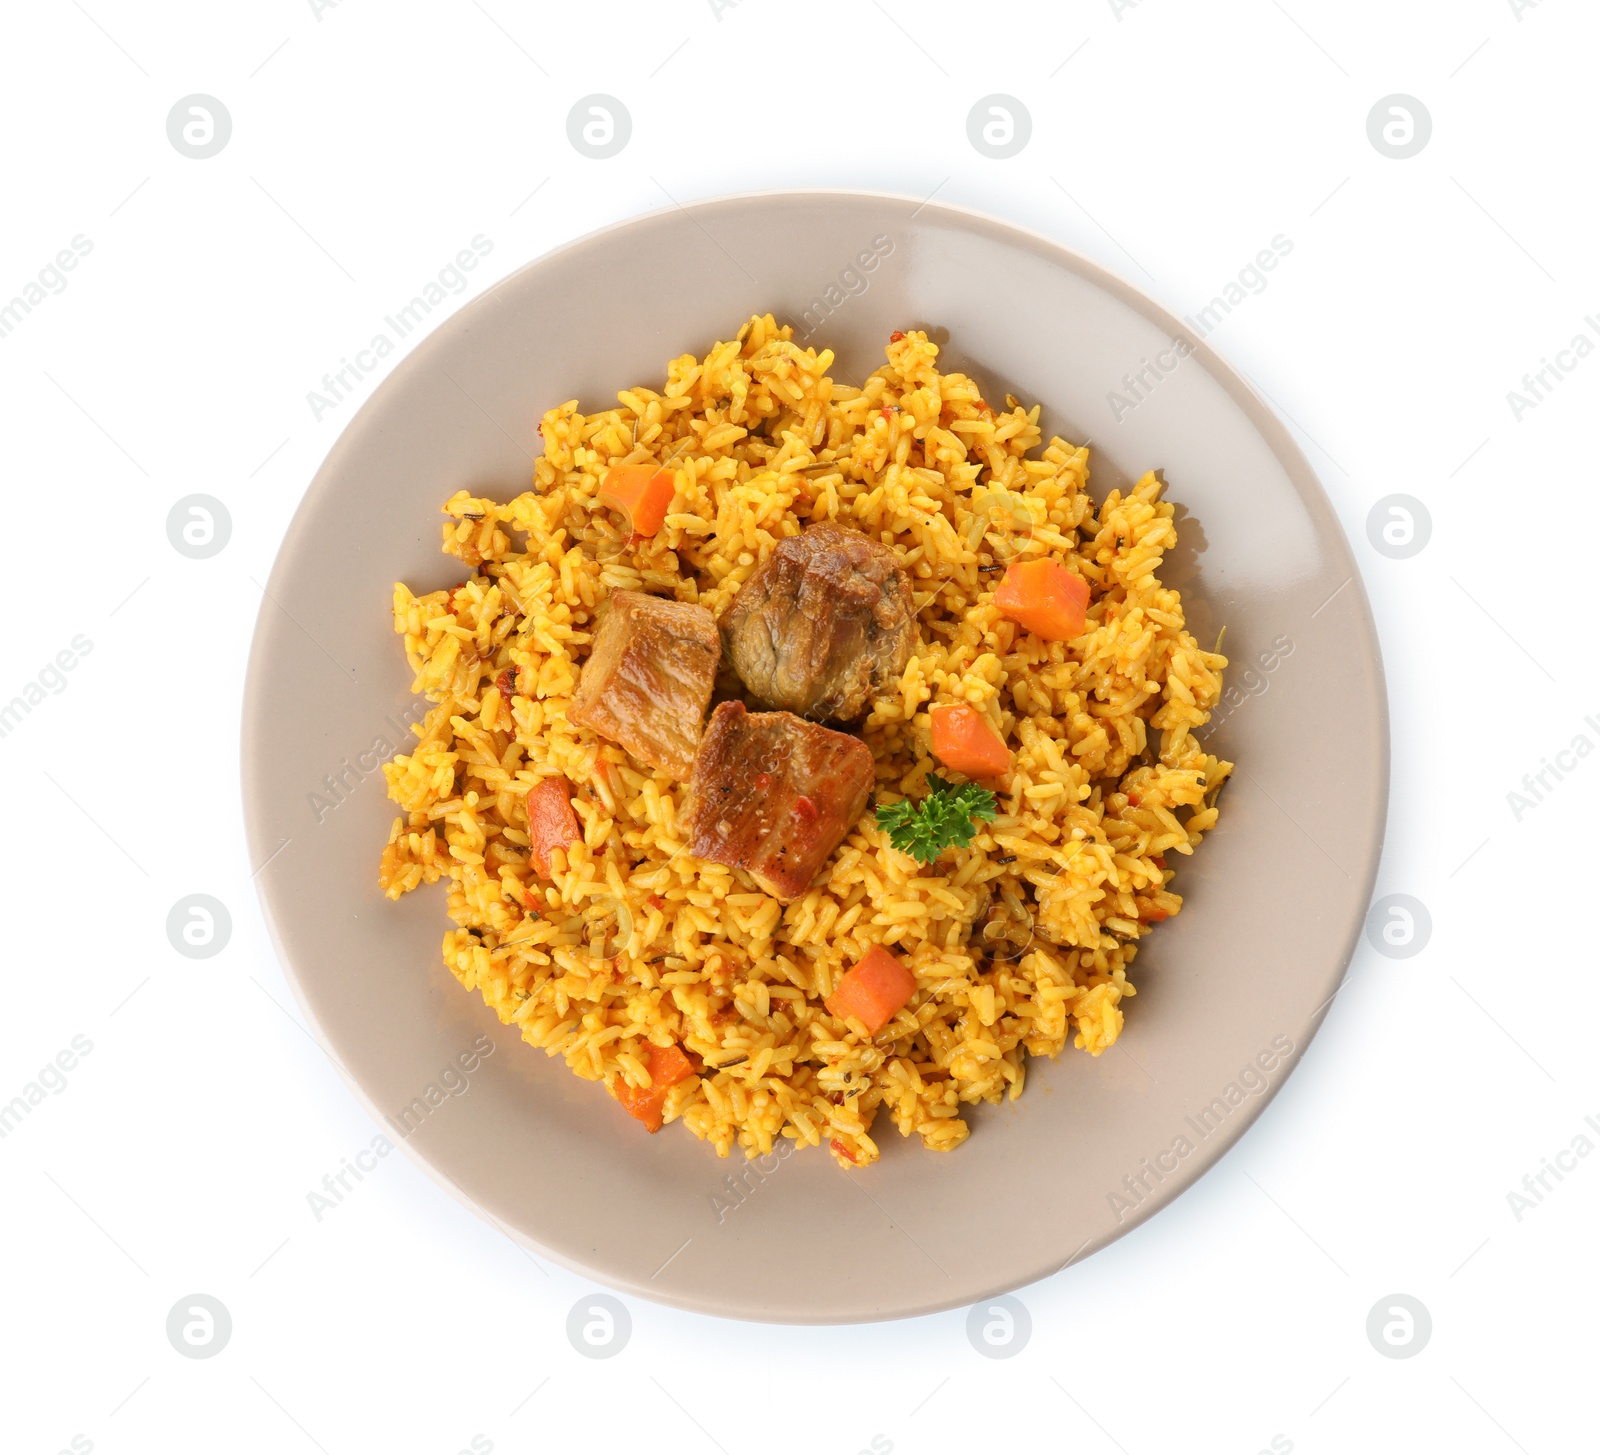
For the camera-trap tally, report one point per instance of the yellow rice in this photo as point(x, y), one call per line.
point(635, 940)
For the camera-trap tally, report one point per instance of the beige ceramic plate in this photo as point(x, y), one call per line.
point(1230, 991)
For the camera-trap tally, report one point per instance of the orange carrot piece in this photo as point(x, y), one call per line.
point(965, 743)
point(643, 493)
point(873, 991)
point(1044, 598)
point(667, 1066)
point(551, 822)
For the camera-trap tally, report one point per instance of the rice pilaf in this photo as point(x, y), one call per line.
point(1017, 941)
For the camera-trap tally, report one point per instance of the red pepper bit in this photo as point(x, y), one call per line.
point(1133, 800)
point(763, 780)
point(805, 808)
point(1153, 916)
point(507, 682)
point(896, 336)
point(835, 1145)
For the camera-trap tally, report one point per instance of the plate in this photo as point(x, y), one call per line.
point(1230, 992)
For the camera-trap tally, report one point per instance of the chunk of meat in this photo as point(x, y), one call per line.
point(648, 679)
point(824, 625)
point(775, 795)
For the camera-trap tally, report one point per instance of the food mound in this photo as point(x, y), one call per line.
point(801, 750)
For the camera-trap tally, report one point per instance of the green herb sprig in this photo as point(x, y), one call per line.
point(947, 818)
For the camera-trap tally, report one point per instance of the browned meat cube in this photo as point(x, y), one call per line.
point(648, 679)
point(824, 625)
point(775, 795)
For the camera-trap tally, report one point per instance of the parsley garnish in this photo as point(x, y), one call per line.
point(947, 818)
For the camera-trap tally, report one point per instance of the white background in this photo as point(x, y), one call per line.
point(1171, 141)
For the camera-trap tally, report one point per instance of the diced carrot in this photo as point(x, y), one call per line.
point(876, 988)
point(551, 822)
point(964, 741)
point(643, 493)
point(667, 1066)
point(1044, 598)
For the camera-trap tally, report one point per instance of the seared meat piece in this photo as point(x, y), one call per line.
point(648, 679)
point(775, 795)
point(824, 625)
